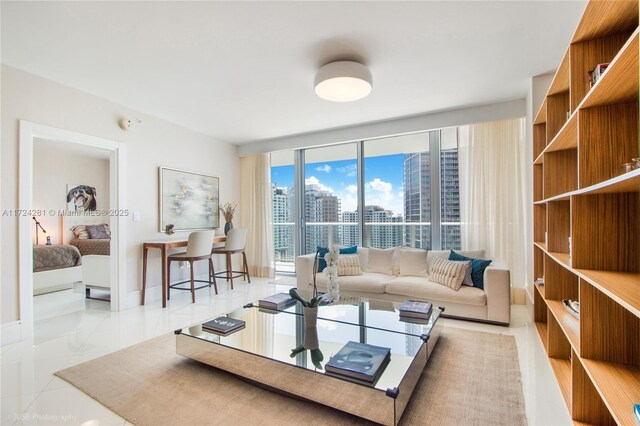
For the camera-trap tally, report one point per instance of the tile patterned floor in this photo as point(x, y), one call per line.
point(69, 330)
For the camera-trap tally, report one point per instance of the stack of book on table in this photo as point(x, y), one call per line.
point(223, 326)
point(276, 302)
point(359, 362)
point(415, 311)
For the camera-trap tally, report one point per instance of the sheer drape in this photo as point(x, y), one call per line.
point(257, 213)
point(492, 196)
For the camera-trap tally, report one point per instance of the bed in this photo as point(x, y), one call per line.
point(96, 264)
point(55, 268)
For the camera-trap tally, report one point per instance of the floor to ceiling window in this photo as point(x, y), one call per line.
point(330, 196)
point(405, 193)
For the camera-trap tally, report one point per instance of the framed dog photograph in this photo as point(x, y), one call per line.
point(188, 201)
point(81, 198)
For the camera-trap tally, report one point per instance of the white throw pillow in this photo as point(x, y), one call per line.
point(448, 272)
point(436, 254)
point(413, 262)
point(381, 260)
point(349, 265)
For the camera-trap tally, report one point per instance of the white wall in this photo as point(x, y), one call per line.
point(153, 143)
point(53, 169)
point(418, 123)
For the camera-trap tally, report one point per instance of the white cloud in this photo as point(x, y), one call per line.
point(351, 189)
point(349, 170)
point(324, 168)
point(312, 180)
point(379, 185)
point(380, 193)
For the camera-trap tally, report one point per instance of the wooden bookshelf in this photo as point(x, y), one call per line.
point(586, 218)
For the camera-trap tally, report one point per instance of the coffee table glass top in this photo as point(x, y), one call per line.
point(382, 314)
point(274, 334)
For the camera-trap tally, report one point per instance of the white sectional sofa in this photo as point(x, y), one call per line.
point(408, 278)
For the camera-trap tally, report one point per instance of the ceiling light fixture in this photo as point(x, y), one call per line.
point(343, 81)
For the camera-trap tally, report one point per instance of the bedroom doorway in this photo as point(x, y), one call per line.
point(103, 258)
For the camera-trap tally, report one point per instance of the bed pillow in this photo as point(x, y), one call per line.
point(477, 268)
point(448, 273)
point(98, 232)
point(349, 265)
point(80, 231)
point(381, 260)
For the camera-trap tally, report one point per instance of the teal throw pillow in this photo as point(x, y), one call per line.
point(322, 251)
point(477, 268)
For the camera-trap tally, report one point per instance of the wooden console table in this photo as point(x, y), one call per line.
point(165, 246)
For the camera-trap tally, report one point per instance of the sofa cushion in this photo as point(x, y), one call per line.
point(444, 254)
point(448, 272)
point(412, 262)
point(422, 288)
point(369, 282)
point(477, 267)
point(381, 260)
point(322, 251)
point(349, 265)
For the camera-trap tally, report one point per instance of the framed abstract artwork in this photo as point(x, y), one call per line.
point(188, 201)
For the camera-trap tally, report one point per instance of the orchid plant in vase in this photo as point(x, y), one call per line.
point(331, 272)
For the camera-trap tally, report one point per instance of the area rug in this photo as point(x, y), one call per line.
point(472, 378)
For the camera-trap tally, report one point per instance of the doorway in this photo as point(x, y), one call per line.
point(32, 134)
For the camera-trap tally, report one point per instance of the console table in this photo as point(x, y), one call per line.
point(164, 246)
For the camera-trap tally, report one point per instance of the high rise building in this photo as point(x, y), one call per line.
point(320, 206)
point(450, 199)
point(375, 235)
point(417, 199)
point(283, 230)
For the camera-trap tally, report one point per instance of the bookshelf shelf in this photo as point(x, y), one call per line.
point(562, 371)
point(618, 386)
point(569, 324)
point(586, 225)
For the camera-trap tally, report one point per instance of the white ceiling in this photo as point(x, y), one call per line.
point(243, 71)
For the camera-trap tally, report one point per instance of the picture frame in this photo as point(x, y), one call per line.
point(188, 200)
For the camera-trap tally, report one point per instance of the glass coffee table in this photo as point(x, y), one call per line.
point(261, 352)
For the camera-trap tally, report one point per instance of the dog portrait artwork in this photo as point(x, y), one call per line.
point(81, 198)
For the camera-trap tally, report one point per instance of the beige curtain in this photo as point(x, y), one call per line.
point(256, 213)
point(492, 196)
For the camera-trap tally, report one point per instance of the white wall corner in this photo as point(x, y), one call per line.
point(529, 304)
point(153, 296)
point(518, 296)
point(11, 332)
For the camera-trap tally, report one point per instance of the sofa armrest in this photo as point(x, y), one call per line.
point(497, 287)
point(304, 270)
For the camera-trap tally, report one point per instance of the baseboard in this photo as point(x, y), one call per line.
point(518, 296)
point(529, 304)
point(11, 332)
point(134, 299)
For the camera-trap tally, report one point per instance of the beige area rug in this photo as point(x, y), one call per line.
point(472, 379)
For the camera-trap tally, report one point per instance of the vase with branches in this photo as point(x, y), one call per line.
point(228, 209)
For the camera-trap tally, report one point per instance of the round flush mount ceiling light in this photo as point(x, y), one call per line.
point(343, 81)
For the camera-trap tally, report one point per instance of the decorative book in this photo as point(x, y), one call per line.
point(276, 302)
point(414, 320)
point(223, 325)
point(416, 309)
point(359, 361)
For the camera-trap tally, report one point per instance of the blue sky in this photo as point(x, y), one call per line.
point(383, 180)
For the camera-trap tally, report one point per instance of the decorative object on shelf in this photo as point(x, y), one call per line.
point(596, 73)
point(636, 411)
point(48, 240)
point(540, 282)
point(331, 272)
point(629, 167)
point(636, 161)
point(228, 209)
point(169, 229)
point(572, 306)
point(188, 200)
point(38, 226)
point(312, 344)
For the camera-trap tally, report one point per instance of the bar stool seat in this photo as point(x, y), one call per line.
point(236, 239)
point(198, 248)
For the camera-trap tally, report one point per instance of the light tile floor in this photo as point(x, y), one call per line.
point(70, 330)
